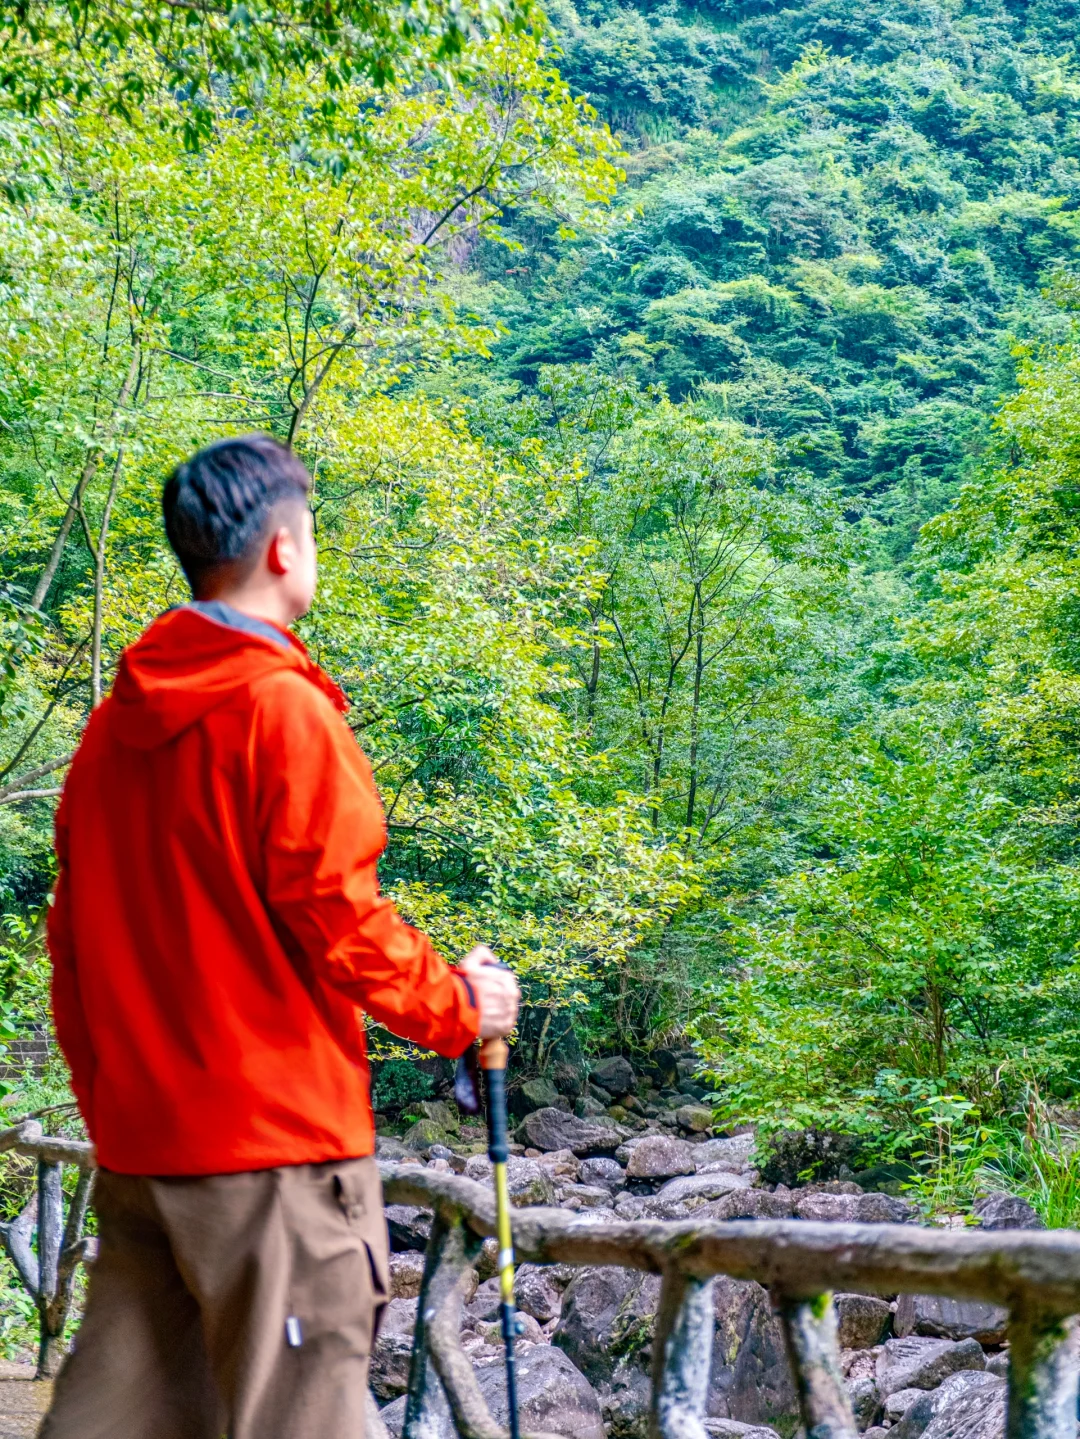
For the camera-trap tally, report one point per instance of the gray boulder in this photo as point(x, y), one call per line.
point(398, 1317)
point(569, 1075)
point(446, 1116)
point(409, 1226)
point(388, 1374)
point(979, 1414)
point(624, 1402)
point(607, 1172)
point(606, 1327)
point(624, 1151)
point(603, 1311)
point(392, 1350)
point(864, 1401)
point(862, 1321)
point(615, 1075)
point(858, 1208)
point(485, 1302)
point(585, 1196)
point(734, 1154)
point(1005, 1211)
point(441, 1151)
point(551, 1129)
point(406, 1272)
point(750, 1378)
point(897, 1405)
point(967, 1404)
point(703, 1186)
point(387, 1147)
point(586, 1107)
point(536, 1094)
point(732, 1429)
point(657, 1156)
point(536, 1293)
point(916, 1363)
point(529, 1182)
point(490, 1330)
point(561, 1164)
point(696, 1118)
point(487, 1261)
point(553, 1398)
point(629, 1206)
point(656, 1208)
point(424, 1133)
point(749, 1204)
point(950, 1318)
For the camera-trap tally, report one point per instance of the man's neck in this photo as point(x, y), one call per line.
point(258, 604)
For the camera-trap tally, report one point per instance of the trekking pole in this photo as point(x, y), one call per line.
point(493, 1057)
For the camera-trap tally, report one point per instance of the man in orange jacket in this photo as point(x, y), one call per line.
point(217, 933)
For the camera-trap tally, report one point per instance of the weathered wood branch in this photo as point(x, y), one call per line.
point(57, 1151)
point(50, 1227)
point(18, 1240)
point(83, 1251)
point(48, 1270)
point(77, 1210)
point(26, 1129)
point(50, 1234)
point(437, 1352)
point(682, 1356)
point(27, 1138)
point(1044, 1364)
point(811, 1338)
point(75, 1248)
point(796, 1257)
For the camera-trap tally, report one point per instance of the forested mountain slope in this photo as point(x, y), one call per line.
point(840, 218)
point(698, 549)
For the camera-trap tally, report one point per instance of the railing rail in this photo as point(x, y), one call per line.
point(1035, 1276)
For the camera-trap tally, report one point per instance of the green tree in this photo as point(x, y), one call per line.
point(928, 956)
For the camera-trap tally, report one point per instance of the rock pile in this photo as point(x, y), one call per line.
point(914, 1364)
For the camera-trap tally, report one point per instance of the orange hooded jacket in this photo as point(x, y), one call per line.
point(217, 924)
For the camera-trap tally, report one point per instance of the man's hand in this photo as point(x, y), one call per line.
point(496, 990)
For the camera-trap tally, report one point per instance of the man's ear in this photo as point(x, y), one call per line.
point(281, 554)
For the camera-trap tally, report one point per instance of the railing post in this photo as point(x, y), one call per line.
point(50, 1228)
point(437, 1355)
point(1044, 1364)
point(810, 1334)
point(682, 1357)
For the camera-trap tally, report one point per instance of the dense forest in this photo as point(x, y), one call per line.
point(693, 400)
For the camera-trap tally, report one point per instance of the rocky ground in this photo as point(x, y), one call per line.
point(22, 1401)
point(914, 1365)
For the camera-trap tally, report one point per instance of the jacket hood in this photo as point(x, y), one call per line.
point(194, 658)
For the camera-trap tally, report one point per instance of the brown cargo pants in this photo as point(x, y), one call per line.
point(238, 1304)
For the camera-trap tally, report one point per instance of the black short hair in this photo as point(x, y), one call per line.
point(218, 503)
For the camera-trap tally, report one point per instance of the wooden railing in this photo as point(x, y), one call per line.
point(1036, 1276)
point(47, 1267)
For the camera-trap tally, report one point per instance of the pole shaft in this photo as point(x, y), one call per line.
point(493, 1057)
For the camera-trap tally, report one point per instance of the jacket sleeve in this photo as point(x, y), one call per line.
point(322, 831)
point(68, 1016)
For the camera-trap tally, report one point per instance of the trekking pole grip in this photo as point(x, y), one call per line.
point(494, 1055)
